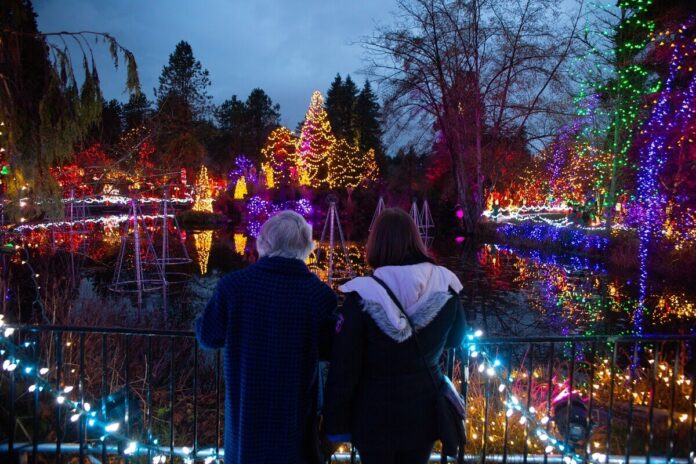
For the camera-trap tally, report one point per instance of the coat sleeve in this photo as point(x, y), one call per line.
point(211, 326)
point(457, 331)
point(346, 367)
point(327, 322)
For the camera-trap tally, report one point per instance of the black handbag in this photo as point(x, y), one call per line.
point(450, 407)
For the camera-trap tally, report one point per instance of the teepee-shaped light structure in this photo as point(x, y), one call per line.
point(142, 277)
point(327, 247)
point(378, 211)
point(427, 225)
point(415, 214)
point(172, 253)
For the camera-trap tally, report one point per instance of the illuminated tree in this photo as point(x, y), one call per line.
point(268, 175)
point(316, 144)
point(279, 153)
point(345, 170)
point(370, 166)
point(204, 197)
point(240, 189)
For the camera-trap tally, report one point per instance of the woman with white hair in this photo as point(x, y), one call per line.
point(272, 318)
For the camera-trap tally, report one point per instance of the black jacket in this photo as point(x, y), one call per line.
point(378, 390)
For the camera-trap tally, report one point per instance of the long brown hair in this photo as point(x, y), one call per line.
point(395, 241)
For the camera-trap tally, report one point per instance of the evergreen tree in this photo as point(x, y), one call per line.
point(184, 78)
point(368, 127)
point(136, 110)
point(340, 106)
point(262, 116)
point(45, 111)
point(316, 144)
point(279, 154)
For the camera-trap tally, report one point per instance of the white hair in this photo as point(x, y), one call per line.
point(286, 235)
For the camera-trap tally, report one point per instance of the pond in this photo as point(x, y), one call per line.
point(506, 290)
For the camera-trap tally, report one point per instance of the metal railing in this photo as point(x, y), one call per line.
point(600, 398)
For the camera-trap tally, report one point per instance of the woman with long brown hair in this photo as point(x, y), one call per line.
point(379, 393)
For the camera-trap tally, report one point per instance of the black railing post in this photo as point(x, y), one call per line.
point(610, 412)
point(633, 360)
point(549, 393)
point(37, 404)
point(673, 395)
point(571, 374)
point(58, 340)
point(81, 391)
point(148, 396)
point(195, 397)
point(530, 377)
point(103, 390)
point(506, 423)
point(649, 428)
point(217, 404)
point(593, 358)
point(171, 397)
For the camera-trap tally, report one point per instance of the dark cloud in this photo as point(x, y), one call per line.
point(288, 48)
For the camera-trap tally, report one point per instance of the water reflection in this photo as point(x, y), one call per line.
point(506, 290)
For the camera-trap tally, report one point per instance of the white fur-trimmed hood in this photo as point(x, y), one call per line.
point(422, 289)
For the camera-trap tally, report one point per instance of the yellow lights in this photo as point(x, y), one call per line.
point(240, 189)
point(204, 199)
point(204, 242)
point(268, 175)
point(240, 242)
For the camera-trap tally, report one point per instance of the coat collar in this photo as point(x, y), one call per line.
point(280, 265)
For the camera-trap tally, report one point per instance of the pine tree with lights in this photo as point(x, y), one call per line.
point(316, 144)
point(268, 175)
point(280, 153)
point(204, 196)
point(370, 166)
point(345, 170)
point(240, 189)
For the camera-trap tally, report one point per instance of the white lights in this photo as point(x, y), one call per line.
point(113, 427)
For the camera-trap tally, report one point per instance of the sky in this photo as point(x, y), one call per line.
point(289, 48)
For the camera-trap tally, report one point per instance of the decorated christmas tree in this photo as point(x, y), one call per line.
point(280, 153)
point(346, 169)
point(370, 167)
point(268, 175)
point(240, 189)
point(204, 196)
point(316, 144)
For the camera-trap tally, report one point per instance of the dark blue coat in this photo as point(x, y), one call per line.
point(269, 317)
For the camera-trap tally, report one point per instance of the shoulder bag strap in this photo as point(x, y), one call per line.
point(413, 329)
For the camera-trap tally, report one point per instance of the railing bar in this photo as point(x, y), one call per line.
point(571, 374)
point(171, 396)
point(217, 403)
point(673, 395)
point(506, 426)
point(103, 389)
point(58, 340)
point(588, 427)
point(486, 401)
point(692, 438)
point(126, 349)
point(37, 406)
point(483, 341)
point(549, 391)
point(81, 387)
point(651, 411)
point(634, 360)
point(448, 370)
point(13, 418)
point(530, 376)
point(195, 396)
point(612, 379)
point(148, 397)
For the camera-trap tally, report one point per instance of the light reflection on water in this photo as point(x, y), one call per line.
point(506, 291)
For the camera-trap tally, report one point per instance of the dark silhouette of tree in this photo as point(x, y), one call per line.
point(136, 111)
point(368, 125)
point(469, 68)
point(44, 108)
point(244, 127)
point(185, 79)
point(341, 100)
